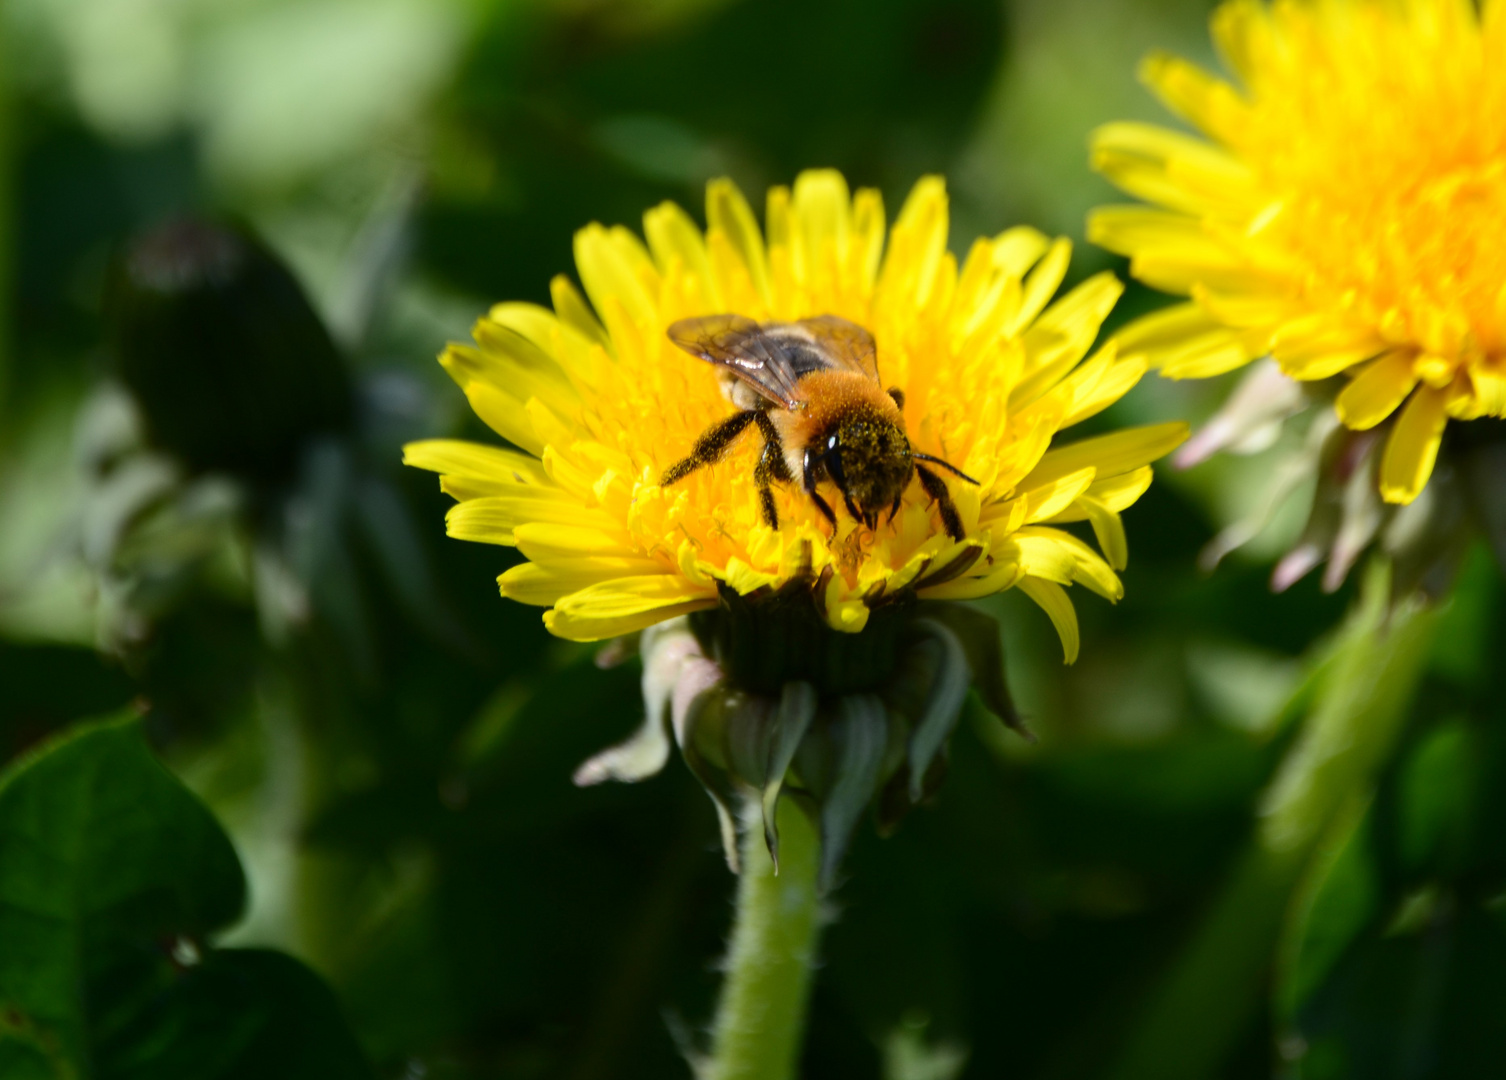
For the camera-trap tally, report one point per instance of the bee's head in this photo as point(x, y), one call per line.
point(870, 461)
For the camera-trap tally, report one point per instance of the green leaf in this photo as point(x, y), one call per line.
point(112, 876)
point(1212, 991)
point(1438, 786)
point(1340, 898)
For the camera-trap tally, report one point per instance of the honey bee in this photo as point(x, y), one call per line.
point(812, 388)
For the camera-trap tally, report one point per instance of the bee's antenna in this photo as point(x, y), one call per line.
point(948, 466)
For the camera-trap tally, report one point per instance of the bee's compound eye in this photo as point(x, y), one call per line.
point(831, 443)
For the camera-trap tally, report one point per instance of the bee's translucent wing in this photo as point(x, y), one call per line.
point(773, 357)
point(747, 350)
point(849, 345)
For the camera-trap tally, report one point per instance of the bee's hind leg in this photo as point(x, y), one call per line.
point(936, 488)
point(710, 447)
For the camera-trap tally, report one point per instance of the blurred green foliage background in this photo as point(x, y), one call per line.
point(389, 745)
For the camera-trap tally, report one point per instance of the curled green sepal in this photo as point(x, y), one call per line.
point(948, 689)
point(740, 745)
point(978, 634)
point(797, 708)
point(840, 762)
point(669, 655)
point(761, 737)
point(701, 730)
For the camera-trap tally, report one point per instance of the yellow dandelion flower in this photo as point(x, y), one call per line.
point(1344, 218)
point(599, 402)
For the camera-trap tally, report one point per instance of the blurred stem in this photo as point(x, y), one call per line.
point(761, 1016)
point(1347, 737)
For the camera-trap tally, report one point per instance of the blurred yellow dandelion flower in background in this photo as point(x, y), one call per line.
point(1345, 218)
point(600, 402)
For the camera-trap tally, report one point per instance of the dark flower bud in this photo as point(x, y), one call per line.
point(231, 368)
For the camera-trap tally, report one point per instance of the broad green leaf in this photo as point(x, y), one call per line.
point(112, 878)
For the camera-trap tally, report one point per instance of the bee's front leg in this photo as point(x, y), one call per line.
point(811, 466)
point(935, 487)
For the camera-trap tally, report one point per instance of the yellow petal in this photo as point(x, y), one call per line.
point(845, 611)
point(1115, 382)
point(917, 244)
point(745, 579)
point(1488, 382)
point(1436, 371)
point(1413, 446)
point(1042, 557)
point(512, 362)
point(505, 415)
point(1037, 425)
point(1193, 94)
point(1214, 353)
point(728, 214)
point(1159, 331)
point(868, 232)
point(674, 239)
point(1174, 170)
point(821, 216)
point(538, 324)
point(1041, 286)
point(1112, 454)
point(1054, 601)
point(1054, 496)
point(572, 310)
point(1244, 37)
point(1244, 308)
point(609, 269)
point(495, 518)
point(543, 542)
point(1016, 250)
point(1315, 346)
point(1375, 392)
point(1062, 336)
point(475, 461)
point(1088, 568)
point(1116, 493)
point(1005, 573)
point(1131, 229)
point(1184, 341)
point(544, 584)
point(623, 606)
point(1108, 529)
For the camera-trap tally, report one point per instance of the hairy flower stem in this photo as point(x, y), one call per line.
point(761, 1016)
point(1317, 796)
